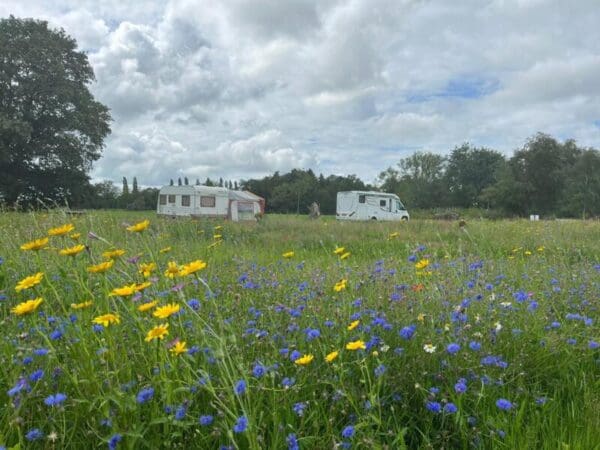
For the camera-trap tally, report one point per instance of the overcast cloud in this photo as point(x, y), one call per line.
point(242, 88)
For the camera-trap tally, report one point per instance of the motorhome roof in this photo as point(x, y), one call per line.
point(376, 193)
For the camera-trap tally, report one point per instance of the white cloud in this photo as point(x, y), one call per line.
point(241, 88)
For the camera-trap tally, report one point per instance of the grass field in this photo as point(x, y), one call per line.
point(415, 335)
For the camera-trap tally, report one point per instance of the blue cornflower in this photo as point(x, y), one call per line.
point(206, 420)
point(55, 400)
point(541, 401)
point(299, 408)
point(295, 355)
point(56, 334)
point(114, 440)
point(348, 432)
point(34, 434)
point(475, 346)
point(312, 333)
point(460, 387)
point(288, 382)
point(292, 442)
point(450, 408)
point(194, 303)
point(145, 395)
point(240, 387)
point(180, 412)
point(412, 258)
point(41, 351)
point(504, 404)
point(407, 332)
point(434, 407)
point(259, 370)
point(241, 424)
point(380, 370)
point(593, 345)
point(27, 360)
point(21, 384)
point(453, 348)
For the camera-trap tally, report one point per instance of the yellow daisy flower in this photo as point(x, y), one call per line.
point(72, 251)
point(339, 250)
point(158, 332)
point(353, 325)
point(422, 264)
point(146, 269)
point(288, 254)
point(192, 267)
point(331, 356)
point(345, 255)
point(124, 291)
point(356, 345)
point(107, 319)
point(147, 306)
point(112, 254)
point(172, 270)
point(178, 348)
point(75, 236)
point(340, 285)
point(35, 245)
point(139, 227)
point(27, 307)
point(59, 231)
point(81, 305)
point(101, 268)
point(165, 311)
point(29, 282)
point(304, 360)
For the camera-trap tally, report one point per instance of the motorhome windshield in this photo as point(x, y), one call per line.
point(399, 206)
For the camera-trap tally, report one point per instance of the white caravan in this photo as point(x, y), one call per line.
point(208, 201)
point(369, 205)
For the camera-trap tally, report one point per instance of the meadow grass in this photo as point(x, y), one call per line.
point(481, 336)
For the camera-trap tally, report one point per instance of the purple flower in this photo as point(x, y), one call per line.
point(299, 408)
point(114, 440)
point(145, 395)
point(434, 407)
point(206, 420)
point(380, 370)
point(460, 387)
point(241, 425)
point(34, 434)
point(55, 400)
point(292, 442)
point(453, 348)
point(504, 404)
point(593, 345)
point(450, 408)
point(348, 432)
point(240, 387)
point(407, 332)
point(475, 346)
point(259, 370)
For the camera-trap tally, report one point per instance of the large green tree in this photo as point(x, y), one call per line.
point(51, 127)
point(470, 170)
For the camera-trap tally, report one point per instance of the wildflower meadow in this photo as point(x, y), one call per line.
point(129, 331)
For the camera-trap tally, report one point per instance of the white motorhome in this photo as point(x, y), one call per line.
point(209, 201)
point(369, 205)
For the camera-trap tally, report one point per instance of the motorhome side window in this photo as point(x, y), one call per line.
point(162, 199)
point(185, 200)
point(382, 202)
point(207, 201)
point(361, 198)
point(171, 199)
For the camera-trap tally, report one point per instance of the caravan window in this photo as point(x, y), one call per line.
point(208, 201)
point(361, 198)
point(162, 199)
point(185, 200)
point(382, 202)
point(171, 199)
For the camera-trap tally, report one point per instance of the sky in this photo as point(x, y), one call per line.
point(239, 89)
